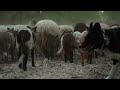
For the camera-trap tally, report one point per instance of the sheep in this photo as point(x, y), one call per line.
point(25, 41)
point(83, 35)
point(77, 36)
point(7, 45)
point(3, 28)
point(47, 30)
point(64, 29)
point(67, 45)
point(32, 22)
point(104, 26)
point(69, 35)
point(115, 26)
point(95, 39)
point(80, 27)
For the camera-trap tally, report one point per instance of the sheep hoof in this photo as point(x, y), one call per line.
point(25, 69)
point(82, 64)
point(20, 66)
point(33, 65)
point(71, 61)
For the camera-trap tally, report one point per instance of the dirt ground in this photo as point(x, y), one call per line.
point(58, 69)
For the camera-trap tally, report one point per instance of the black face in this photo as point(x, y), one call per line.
point(94, 37)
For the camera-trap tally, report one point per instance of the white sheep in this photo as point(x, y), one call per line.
point(32, 22)
point(83, 35)
point(77, 36)
point(45, 28)
point(104, 26)
point(3, 28)
point(65, 28)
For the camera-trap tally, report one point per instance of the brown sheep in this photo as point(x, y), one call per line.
point(49, 49)
point(68, 46)
point(80, 27)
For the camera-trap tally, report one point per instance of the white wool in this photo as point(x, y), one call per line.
point(32, 22)
point(5, 54)
point(87, 25)
point(61, 46)
point(10, 26)
point(30, 43)
point(104, 26)
point(63, 28)
point(77, 36)
point(83, 35)
point(115, 26)
point(20, 27)
point(47, 26)
point(113, 71)
point(3, 28)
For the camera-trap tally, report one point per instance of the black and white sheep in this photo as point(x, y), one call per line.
point(25, 41)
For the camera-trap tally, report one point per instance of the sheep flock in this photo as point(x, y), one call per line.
point(50, 52)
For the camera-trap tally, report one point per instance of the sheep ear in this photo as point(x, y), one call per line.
point(91, 26)
point(32, 28)
point(29, 27)
point(97, 26)
point(56, 36)
point(12, 29)
point(8, 28)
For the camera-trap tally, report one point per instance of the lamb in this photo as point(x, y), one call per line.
point(25, 41)
point(68, 45)
point(69, 41)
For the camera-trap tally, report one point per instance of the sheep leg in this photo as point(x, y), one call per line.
point(45, 54)
point(89, 60)
point(19, 54)
point(71, 56)
point(103, 54)
point(25, 62)
point(52, 53)
point(6, 54)
point(115, 66)
point(82, 58)
point(65, 57)
point(12, 53)
point(96, 55)
point(25, 52)
point(32, 55)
